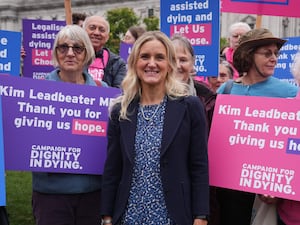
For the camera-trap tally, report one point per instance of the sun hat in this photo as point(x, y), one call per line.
point(249, 42)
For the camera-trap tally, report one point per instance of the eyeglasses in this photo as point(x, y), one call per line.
point(268, 54)
point(64, 48)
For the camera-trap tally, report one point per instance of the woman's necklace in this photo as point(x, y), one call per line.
point(151, 117)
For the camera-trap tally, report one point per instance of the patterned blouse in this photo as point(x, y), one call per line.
point(146, 204)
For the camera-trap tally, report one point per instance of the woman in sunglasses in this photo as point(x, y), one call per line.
point(72, 53)
point(60, 198)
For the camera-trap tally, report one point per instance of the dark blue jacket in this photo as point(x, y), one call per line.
point(115, 70)
point(183, 162)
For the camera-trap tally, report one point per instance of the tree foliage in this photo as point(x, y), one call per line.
point(223, 43)
point(152, 23)
point(120, 20)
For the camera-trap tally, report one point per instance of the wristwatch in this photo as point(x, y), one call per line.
point(202, 217)
point(106, 221)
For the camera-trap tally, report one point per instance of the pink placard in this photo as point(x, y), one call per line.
point(41, 57)
point(254, 145)
point(198, 34)
point(89, 127)
point(288, 8)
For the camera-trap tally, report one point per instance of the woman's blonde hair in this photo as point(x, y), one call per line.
point(79, 35)
point(131, 84)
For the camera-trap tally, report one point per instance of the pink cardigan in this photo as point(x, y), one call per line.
point(229, 58)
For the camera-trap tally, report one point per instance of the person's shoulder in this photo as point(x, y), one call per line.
point(202, 86)
point(104, 84)
point(221, 89)
point(115, 109)
point(89, 79)
point(190, 103)
point(53, 75)
point(114, 59)
point(192, 100)
point(203, 90)
point(112, 55)
point(282, 84)
point(193, 106)
point(285, 89)
point(227, 86)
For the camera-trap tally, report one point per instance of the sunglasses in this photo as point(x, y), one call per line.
point(269, 54)
point(64, 48)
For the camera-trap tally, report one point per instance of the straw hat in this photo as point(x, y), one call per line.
point(250, 41)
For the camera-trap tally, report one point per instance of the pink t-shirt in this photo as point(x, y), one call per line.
point(96, 69)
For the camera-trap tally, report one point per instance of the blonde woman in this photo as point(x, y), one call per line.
point(156, 170)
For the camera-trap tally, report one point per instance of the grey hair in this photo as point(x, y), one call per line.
point(237, 25)
point(77, 34)
point(185, 42)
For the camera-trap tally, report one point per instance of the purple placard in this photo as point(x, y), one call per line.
point(125, 50)
point(38, 38)
point(54, 126)
point(2, 173)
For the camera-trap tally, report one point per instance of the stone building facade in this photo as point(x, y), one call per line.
point(13, 11)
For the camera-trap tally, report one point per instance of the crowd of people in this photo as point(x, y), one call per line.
point(156, 170)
